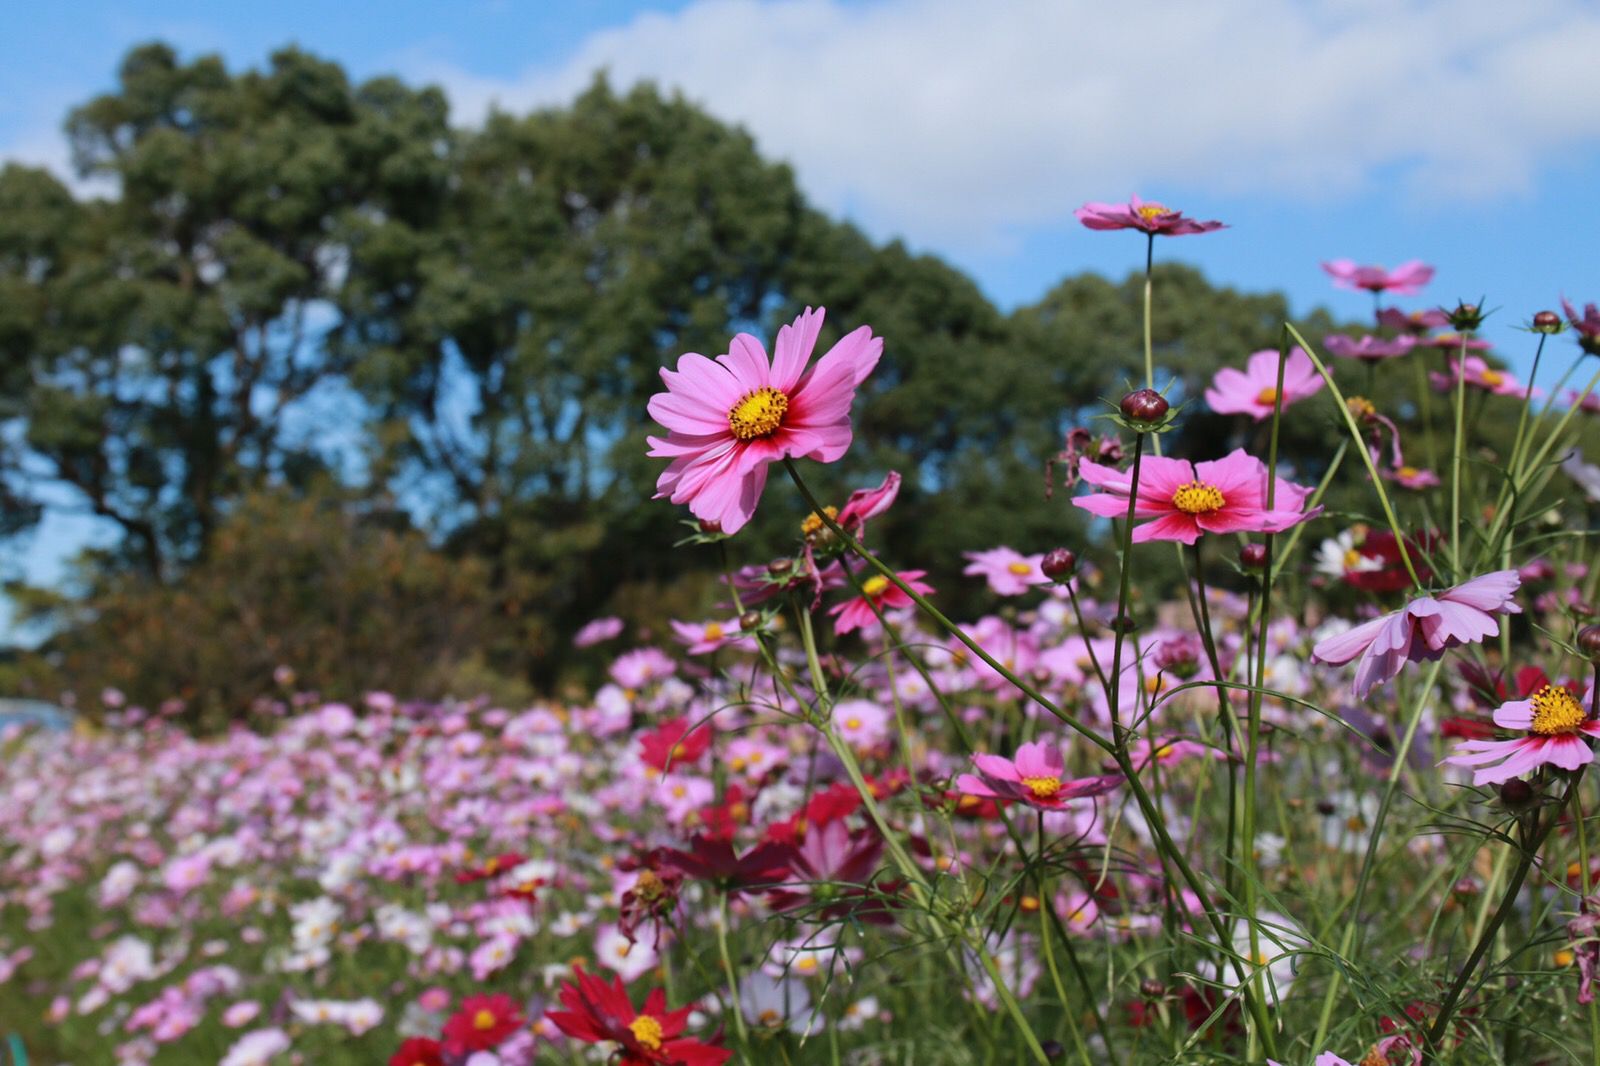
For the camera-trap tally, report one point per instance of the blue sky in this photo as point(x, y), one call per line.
point(1462, 132)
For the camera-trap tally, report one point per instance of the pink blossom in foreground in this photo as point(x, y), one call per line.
point(728, 418)
point(1146, 216)
point(1008, 572)
point(1253, 391)
point(1035, 777)
point(1226, 495)
point(880, 593)
point(1479, 375)
point(1369, 348)
point(1407, 279)
point(1555, 730)
point(1422, 630)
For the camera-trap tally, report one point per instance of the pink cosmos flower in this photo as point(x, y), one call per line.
point(1555, 730)
point(1422, 630)
point(1254, 390)
point(877, 591)
point(1147, 216)
point(1033, 777)
point(1413, 477)
point(1369, 348)
point(1226, 495)
point(703, 638)
point(727, 418)
point(1588, 401)
point(1009, 572)
point(1407, 279)
point(868, 503)
point(1587, 325)
point(1479, 375)
point(596, 632)
point(1453, 343)
point(1418, 322)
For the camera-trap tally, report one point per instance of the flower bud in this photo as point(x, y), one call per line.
point(1124, 624)
point(750, 621)
point(779, 567)
point(1517, 794)
point(1253, 556)
point(1466, 316)
point(1144, 405)
point(1547, 322)
point(1150, 988)
point(709, 526)
point(1588, 642)
point(1059, 564)
point(1053, 1050)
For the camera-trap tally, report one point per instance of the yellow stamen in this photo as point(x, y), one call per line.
point(483, 1020)
point(1042, 787)
point(1152, 211)
point(713, 631)
point(1409, 472)
point(758, 414)
point(1267, 396)
point(1555, 712)
point(647, 1031)
point(1020, 568)
point(814, 524)
point(1361, 407)
point(1197, 497)
point(1493, 378)
point(874, 586)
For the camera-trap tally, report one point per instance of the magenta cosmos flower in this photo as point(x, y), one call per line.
point(1372, 349)
point(1555, 732)
point(877, 591)
point(1008, 572)
point(1423, 629)
point(1226, 495)
point(1587, 325)
point(727, 418)
point(1146, 216)
point(1407, 279)
point(1254, 390)
point(1479, 375)
point(1034, 777)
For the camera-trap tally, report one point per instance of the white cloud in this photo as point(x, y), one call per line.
point(956, 122)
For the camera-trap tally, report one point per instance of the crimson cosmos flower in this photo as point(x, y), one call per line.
point(483, 1022)
point(599, 1012)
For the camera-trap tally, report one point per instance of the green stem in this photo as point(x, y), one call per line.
point(1455, 479)
point(728, 969)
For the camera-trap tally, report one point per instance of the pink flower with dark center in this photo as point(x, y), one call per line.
point(1555, 729)
point(1479, 375)
point(1423, 629)
point(1146, 216)
point(1008, 572)
point(1226, 495)
point(728, 418)
point(1253, 391)
point(877, 591)
point(1036, 777)
point(1407, 279)
point(1371, 349)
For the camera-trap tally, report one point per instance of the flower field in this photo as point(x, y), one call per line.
point(1325, 799)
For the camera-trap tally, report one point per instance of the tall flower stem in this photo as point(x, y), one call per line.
point(1121, 621)
point(1149, 294)
point(729, 971)
point(1455, 477)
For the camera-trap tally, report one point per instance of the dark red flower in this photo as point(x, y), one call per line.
point(674, 743)
point(418, 1051)
point(483, 1022)
point(714, 860)
point(495, 866)
point(599, 1012)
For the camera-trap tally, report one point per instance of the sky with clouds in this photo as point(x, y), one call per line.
point(1463, 132)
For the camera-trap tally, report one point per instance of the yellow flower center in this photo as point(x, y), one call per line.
point(852, 723)
point(647, 1031)
point(1151, 212)
point(1020, 568)
point(1042, 787)
point(1409, 471)
point(813, 523)
point(1352, 559)
point(875, 585)
point(1268, 395)
point(769, 1018)
point(1493, 378)
point(1361, 407)
point(759, 414)
point(1555, 712)
point(483, 1020)
point(713, 631)
point(1197, 497)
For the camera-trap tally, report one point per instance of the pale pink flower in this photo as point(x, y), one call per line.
point(1253, 391)
point(728, 418)
point(1371, 349)
point(1479, 375)
point(1035, 777)
point(1145, 216)
point(1407, 279)
point(1422, 630)
point(703, 638)
point(1226, 495)
point(597, 631)
point(1008, 572)
point(1555, 729)
point(1413, 477)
